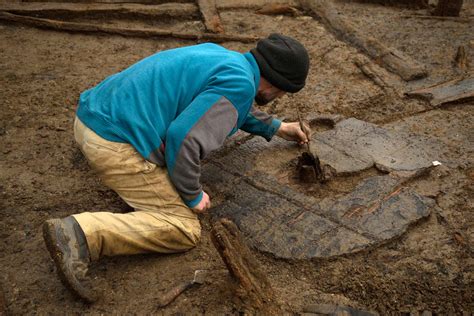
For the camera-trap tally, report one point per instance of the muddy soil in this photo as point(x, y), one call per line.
point(43, 175)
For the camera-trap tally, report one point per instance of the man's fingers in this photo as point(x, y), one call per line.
point(207, 204)
point(302, 136)
point(203, 205)
point(294, 132)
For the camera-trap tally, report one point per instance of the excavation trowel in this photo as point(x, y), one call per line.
point(309, 166)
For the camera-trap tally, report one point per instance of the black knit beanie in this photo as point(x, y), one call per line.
point(283, 61)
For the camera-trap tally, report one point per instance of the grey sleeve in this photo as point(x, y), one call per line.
point(261, 123)
point(208, 133)
point(263, 117)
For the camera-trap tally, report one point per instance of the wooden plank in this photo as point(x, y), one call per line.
point(390, 58)
point(173, 10)
point(450, 91)
point(129, 32)
point(211, 17)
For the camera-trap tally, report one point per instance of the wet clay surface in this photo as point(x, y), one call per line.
point(43, 175)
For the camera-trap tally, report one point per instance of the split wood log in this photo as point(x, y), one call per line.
point(460, 61)
point(251, 4)
point(390, 58)
point(278, 8)
point(415, 4)
point(450, 91)
point(448, 8)
point(113, 1)
point(253, 289)
point(129, 32)
point(440, 18)
point(221, 4)
point(379, 76)
point(211, 17)
point(172, 10)
point(371, 72)
point(3, 304)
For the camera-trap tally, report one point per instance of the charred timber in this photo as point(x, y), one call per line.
point(415, 4)
point(221, 4)
point(211, 17)
point(390, 58)
point(446, 92)
point(439, 18)
point(112, 1)
point(3, 303)
point(128, 32)
point(448, 8)
point(170, 10)
point(369, 70)
point(461, 61)
point(252, 287)
point(278, 9)
point(251, 4)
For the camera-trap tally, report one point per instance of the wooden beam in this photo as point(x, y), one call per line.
point(251, 4)
point(112, 1)
point(371, 71)
point(390, 58)
point(3, 304)
point(221, 4)
point(129, 32)
point(211, 17)
point(278, 9)
point(448, 8)
point(450, 91)
point(440, 18)
point(252, 287)
point(173, 10)
point(461, 61)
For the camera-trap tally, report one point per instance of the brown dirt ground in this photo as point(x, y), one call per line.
point(43, 174)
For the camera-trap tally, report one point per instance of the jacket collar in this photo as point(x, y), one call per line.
point(255, 69)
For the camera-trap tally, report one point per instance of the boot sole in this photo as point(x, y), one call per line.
point(64, 273)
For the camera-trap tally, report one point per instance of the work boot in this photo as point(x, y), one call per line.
point(67, 246)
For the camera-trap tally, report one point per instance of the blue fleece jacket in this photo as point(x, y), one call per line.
point(177, 106)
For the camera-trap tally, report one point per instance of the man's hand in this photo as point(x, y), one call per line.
point(292, 131)
point(204, 205)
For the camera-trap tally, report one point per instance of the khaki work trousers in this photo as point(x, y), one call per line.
point(161, 221)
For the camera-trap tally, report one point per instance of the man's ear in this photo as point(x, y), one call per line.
point(264, 84)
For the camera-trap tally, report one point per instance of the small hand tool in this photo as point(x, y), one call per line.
point(171, 295)
point(309, 166)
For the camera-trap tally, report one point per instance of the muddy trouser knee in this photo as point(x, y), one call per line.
point(161, 221)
